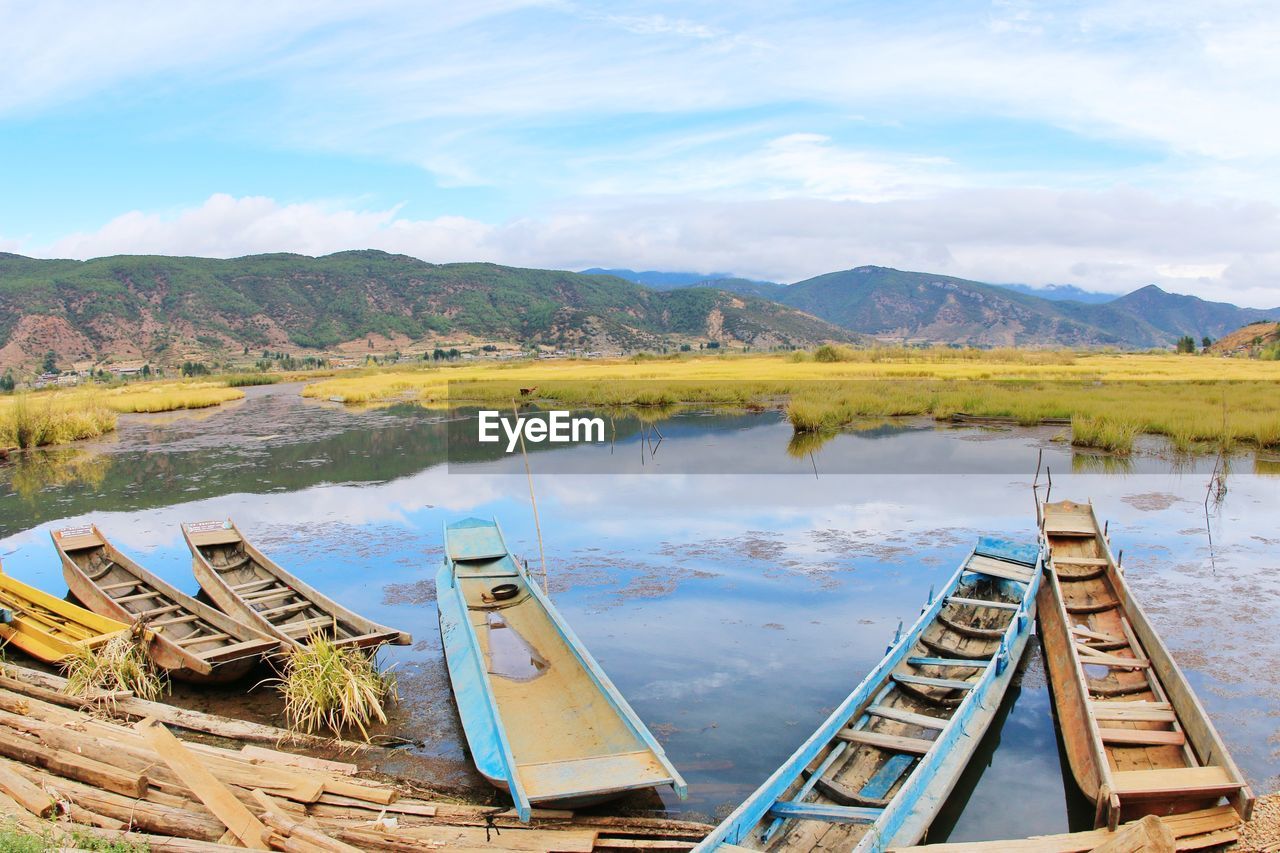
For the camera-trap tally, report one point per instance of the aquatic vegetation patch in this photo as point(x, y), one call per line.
point(335, 688)
point(28, 421)
point(120, 664)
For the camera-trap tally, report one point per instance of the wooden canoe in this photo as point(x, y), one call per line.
point(250, 587)
point(542, 720)
point(879, 769)
point(190, 639)
point(1136, 736)
point(48, 628)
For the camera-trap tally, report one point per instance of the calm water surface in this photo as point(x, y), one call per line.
point(735, 591)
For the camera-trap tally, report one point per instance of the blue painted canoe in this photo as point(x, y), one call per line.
point(876, 773)
point(542, 720)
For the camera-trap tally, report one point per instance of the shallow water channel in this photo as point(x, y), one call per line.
point(735, 590)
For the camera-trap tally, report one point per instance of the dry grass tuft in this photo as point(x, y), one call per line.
point(327, 686)
point(120, 664)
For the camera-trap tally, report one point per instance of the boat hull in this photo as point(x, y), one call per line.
point(881, 767)
point(1137, 739)
point(541, 719)
point(47, 628)
point(307, 611)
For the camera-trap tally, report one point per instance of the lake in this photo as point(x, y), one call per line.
point(735, 584)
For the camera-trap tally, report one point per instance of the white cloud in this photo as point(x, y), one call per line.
point(1112, 241)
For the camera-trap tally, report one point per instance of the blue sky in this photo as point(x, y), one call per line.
point(1104, 144)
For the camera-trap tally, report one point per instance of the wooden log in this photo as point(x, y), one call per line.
point(24, 792)
point(142, 814)
point(216, 796)
point(259, 754)
point(16, 812)
point(48, 688)
point(73, 766)
point(279, 820)
point(1148, 835)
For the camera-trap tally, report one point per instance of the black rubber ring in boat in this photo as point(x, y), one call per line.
point(503, 591)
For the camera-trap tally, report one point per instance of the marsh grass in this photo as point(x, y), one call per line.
point(246, 380)
point(120, 664)
point(335, 688)
point(29, 421)
point(169, 396)
point(1179, 397)
point(1114, 435)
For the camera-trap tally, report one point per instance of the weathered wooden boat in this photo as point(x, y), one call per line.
point(250, 587)
point(48, 628)
point(1136, 736)
point(542, 720)
point(190, 639)
point(879, 769)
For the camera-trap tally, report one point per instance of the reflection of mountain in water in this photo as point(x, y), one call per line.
point(274, 442)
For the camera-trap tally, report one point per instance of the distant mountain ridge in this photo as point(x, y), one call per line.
point(676, 280)
point(921, 307)
point(166, 308)
point(170, 308)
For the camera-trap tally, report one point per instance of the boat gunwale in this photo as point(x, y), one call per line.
point(755, 808)
point(219, 588)
point(1164, 669)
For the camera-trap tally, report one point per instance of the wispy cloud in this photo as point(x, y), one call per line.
point(993, 139)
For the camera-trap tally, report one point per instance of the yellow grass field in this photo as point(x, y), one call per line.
point(1110, 398)
point(43, 418)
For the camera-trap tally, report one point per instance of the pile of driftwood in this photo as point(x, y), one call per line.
point(64, 770)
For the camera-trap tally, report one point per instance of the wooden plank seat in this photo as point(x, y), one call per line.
point(825, 812)
point(112, 587)
point(948, 662)
point(925, 681)
point(978, 602)
point(159, 611)
point(1142, 737)
point(202, 638)
point(545, 780)
point(286, 608)
point(998, 569)
point(1080, 561)
point(304, 625)
point(376, 638)
point(138, 596)
point(255, 584)
point(894, 743)
point(176, 620)
point(268, 594)
point(1158, 784)
point(1092, 657)
point(911, 718)
point(243, 649)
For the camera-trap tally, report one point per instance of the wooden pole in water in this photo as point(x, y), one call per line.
point(533, 499)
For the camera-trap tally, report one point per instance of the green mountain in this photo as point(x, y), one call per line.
point(167, 308)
